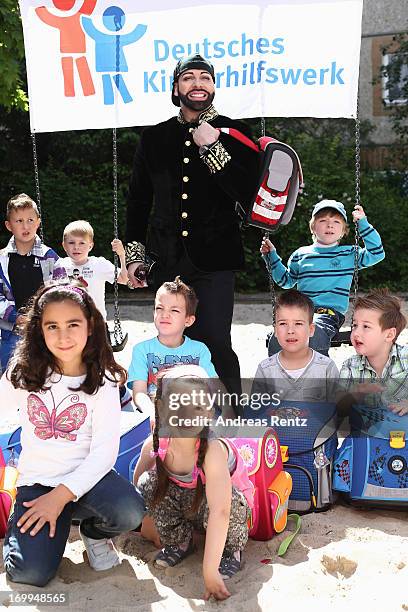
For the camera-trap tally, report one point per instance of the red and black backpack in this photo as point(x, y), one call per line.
point(280, 182)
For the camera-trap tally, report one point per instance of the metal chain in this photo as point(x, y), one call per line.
point(267, 263)
point(37, 183)
point(357, 202)
point(117, 329)
point(263, 126)
point(271, 284)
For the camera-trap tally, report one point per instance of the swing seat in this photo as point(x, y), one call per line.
point(117, 344)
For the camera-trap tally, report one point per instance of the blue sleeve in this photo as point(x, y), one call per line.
point(206, 363)
point(284, 277)
point(134, 35)
point(90, 28)
point(138, 366)
point(373, 250)
point(51, 254)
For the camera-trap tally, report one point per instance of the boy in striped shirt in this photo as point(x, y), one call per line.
point(324, 270)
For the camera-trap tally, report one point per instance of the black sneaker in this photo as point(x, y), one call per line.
point(172, 555)
point(229, 565)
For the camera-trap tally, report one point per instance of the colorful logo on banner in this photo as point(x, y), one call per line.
point(110, 60)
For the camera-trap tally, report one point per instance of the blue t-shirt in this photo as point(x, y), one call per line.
point(151, 356)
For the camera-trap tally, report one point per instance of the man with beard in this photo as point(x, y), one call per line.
point(187, 177)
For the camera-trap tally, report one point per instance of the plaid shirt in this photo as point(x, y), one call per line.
point(357, 369)
point(37, 250)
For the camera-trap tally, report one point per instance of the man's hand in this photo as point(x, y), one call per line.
point(214, 585)
point(266, 246)
point(205, 134)
point(45, 509)
point(358, 213)
point(133, 270)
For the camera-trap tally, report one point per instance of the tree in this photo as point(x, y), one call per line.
point(12, 69)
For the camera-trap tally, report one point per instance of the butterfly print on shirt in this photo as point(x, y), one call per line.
point(58, 425)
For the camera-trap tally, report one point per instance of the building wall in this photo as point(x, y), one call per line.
point(381, 19)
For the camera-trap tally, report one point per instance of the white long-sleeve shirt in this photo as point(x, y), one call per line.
point(67, 437)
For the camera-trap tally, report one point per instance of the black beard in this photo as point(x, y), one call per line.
point(196, 105)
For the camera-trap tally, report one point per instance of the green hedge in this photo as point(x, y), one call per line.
point(76, 182)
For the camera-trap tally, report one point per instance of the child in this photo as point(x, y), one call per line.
point(25, 264)
point(296, 372)
point(174, 309)
point(324, 270)
point(63, 382)
point(92, 272)
point(189, 481)
point(378, 374)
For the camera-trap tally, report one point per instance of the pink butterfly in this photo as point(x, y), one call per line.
point(48, 425)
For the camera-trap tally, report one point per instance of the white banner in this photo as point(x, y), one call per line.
point(95, 64)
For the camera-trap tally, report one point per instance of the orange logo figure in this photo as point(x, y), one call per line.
point(72, 41)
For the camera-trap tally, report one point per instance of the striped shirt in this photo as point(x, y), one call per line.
point(325, 274)
point(394, 378)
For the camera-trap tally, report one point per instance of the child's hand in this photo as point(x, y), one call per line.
point(266, 246)
point(366, 388)
point(358, 213)
point(214, 585)
point(19, 323)
point(45, 509)
point(399, 408)
point(117, 247)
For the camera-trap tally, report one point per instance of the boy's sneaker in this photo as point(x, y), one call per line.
point(172, 554)
point(102, 555)
point(230, 564)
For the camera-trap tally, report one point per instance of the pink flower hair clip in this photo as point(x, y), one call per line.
point(159, 453)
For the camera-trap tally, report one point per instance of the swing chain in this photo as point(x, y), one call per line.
point(267, 263)
point(263, 126)
point(271, 284)
point(117, 329)
point(357, 200)
point(37, 183)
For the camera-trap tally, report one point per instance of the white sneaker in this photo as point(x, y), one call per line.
point(102, 555)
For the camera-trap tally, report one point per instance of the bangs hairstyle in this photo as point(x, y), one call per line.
point(294, 298)
point(30, 365)
point(79, 228)
point(177, 287)
point(388, 305)
point(21, 202)
point(328, 212)
point(162, 484)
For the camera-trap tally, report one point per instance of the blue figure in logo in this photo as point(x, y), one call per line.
point(109, 51)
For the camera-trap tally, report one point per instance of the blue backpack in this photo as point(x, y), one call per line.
point(371, 466)
point(308, 437)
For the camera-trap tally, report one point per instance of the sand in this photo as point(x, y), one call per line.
point(342, 559)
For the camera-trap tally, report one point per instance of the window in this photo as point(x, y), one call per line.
point(395, 79)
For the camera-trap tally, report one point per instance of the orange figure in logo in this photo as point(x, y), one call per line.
point(72, 41)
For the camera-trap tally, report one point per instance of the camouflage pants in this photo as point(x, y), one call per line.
point(175, 527)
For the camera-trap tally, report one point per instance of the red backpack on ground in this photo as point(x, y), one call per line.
point(262, 458)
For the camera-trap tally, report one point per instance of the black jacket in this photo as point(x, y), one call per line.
point(177, 205)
